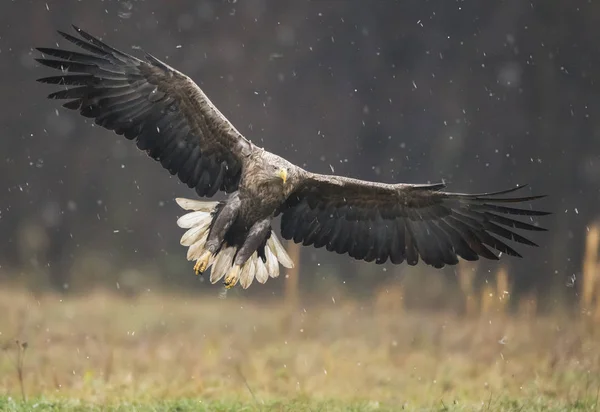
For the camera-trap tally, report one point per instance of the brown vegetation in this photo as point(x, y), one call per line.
point(101, 347)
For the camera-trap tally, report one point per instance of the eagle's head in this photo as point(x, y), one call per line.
point(279, 174)
point(275, 169)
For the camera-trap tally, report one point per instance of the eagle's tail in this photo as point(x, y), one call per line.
point(198, 223)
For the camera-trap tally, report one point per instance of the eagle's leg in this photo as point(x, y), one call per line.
point(256, 237)
point(221, 224)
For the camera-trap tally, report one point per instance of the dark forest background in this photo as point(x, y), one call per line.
point(482, 94)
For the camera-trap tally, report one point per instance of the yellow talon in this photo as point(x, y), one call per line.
point(197, 269)
point(232, 277)
point(202, 263)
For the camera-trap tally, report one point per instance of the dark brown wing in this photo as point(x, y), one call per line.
point(166, 113)
point(376, 221)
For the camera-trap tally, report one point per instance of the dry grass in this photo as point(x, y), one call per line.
point(184, 352)
point(590, 290)
point(101, 348)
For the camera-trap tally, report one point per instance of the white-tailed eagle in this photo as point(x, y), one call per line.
point(173, 121)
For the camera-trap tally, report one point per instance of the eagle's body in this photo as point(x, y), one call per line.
point(172, 119)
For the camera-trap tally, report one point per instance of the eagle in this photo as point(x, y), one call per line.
point(169, 117)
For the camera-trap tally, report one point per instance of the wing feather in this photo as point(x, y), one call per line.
point(401, 222)
point(148, 101)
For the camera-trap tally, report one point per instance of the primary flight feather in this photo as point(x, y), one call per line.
point(174, 122)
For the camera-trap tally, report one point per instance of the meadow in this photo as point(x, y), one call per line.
point(176, 352)
point(156, 351)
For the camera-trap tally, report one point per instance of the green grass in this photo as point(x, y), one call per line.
point(161, 352)
point(300, 405)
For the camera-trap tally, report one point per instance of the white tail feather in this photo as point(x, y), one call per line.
point(198, 225)
point(189, 204)
point(194, 234)
point(192, 219)
point(247, 275)
point(194, 252)
point(272, 263)
point(223, 263)
point(197, 249)
point(261, 271)
point(279, 252)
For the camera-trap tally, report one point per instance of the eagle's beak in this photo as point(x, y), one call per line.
point(282, 173)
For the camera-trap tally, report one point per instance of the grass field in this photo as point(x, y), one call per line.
point(177, 352)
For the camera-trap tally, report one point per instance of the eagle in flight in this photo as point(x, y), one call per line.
point(173, 121)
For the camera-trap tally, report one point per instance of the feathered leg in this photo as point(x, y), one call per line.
point(208, 223)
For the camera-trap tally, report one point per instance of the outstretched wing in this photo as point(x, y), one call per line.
point(166, 113)
point(376, 221)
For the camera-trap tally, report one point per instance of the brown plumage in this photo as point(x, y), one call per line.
point(170, 118)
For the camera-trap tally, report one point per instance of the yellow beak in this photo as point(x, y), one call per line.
point(282, 173)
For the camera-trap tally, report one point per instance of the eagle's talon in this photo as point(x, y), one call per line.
point(197, 268)
point(202, 263)
point(232, 277)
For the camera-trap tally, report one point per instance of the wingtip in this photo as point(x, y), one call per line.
point(513, 253)
point(511, 190)
point(537, 197)
point(63, 34)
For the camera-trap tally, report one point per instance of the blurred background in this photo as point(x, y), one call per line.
point(483, 95)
